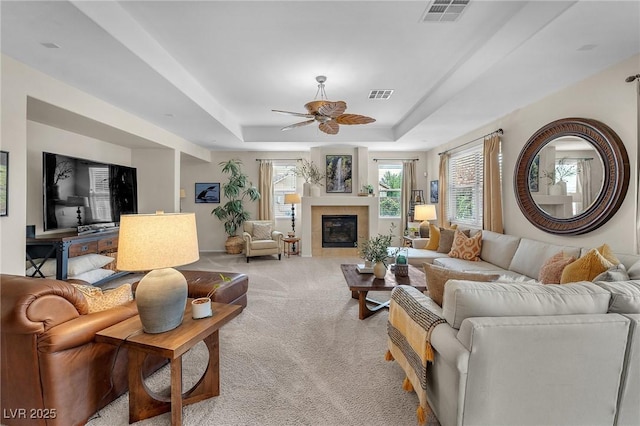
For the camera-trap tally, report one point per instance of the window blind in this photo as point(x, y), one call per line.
point(465, 187)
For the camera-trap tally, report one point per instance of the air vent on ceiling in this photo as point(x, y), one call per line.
point(380, 94)
point(444, 10)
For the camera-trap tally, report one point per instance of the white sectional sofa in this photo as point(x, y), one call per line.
point(518, 353)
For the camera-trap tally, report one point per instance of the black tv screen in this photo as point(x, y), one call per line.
point(85, 192)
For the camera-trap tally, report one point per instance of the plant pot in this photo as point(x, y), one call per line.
point(234, 245)
point(559, 188)
point(379, 270)
point(306, 189)
point(315, 191)
point(201, 308)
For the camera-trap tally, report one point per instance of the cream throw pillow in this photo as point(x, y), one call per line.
point(261, 231)
point(101, 301)
point(75, 265)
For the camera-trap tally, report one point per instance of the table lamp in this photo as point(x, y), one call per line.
point(77, 201)
point(157, 243)
point(292, 199)
point(424, 213)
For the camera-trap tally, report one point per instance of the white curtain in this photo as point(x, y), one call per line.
point(408, 185)
point(585, 184)
point(265, 186)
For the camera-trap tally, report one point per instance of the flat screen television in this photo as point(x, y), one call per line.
point(85, 192)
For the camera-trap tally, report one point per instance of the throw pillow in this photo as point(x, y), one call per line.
point(467, 248)
point(585, 268)
point(617, 273)
point(551, 270)
point(75, 266)
point(261, 231)
point(438, 276)
point(101, 301)
point(606, 252)
point(434, 238)
point(446, 239)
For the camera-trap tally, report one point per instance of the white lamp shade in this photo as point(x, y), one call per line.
point(425, 212)
point(292, 198)
point(153, 241)
point(77, 201)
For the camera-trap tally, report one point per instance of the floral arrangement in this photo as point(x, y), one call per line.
point(310, 172)
point(376, 248)
point(560, 172)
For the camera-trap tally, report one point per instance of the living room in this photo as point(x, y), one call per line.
point(42, 112)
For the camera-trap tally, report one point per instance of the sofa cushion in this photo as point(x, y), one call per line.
point(551, 270)
point(261, 231)
point(75, 265)
point(465, 299)
point(437, 277)
point(586, 268)
point(531, 254)
point(625, 296)
point(99, 300)
point(498, 248)
point(469, 265)
point(467, 248)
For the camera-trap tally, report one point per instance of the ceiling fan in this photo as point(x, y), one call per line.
point(327, 113)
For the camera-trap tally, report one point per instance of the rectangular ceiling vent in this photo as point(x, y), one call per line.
point(444, 10)
point(380, 94)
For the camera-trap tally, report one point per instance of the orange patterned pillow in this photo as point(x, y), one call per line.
point(467, 248)
point(551, 270)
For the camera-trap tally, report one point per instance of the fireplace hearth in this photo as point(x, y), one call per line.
point(339, 231)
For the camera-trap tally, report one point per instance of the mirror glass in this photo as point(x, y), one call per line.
point(566, 176)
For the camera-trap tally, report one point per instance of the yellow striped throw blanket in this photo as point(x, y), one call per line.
point(409, 331)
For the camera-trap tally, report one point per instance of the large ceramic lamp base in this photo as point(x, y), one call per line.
point(161, 297)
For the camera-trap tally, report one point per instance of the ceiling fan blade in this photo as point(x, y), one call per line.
point(333, 109)
point(329, 127)
point(297, 114)
point(314, 106)
point(302, 123)
point(354, 119)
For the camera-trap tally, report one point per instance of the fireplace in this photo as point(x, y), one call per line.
point(339, 231)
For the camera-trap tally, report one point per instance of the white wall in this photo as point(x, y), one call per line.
point(158, 179)
point(605, 97)
point(19, 82)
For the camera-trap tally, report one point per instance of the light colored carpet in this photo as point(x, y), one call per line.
point(297, 355)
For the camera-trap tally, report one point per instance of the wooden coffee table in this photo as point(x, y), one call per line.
point(361, 284)
point(172, 345)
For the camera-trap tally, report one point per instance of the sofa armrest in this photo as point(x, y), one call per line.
point(419, 243)
point(83, 329)
point(277, 235)
point(247, 237)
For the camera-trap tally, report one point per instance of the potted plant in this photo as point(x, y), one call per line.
point(312, 176)
point(233, 213)
point(376, 251)
point(201, 307)
point(557, 177)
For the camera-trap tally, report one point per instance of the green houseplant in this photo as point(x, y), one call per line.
point(233, 212)
point(376, 251)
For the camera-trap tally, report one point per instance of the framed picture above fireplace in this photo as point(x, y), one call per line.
point(339, 168)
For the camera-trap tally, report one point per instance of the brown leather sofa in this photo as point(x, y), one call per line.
point(52, 370)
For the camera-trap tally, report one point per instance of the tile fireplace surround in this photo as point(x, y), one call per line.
point(366, 208)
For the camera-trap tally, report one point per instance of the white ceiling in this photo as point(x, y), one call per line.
point(212, 71)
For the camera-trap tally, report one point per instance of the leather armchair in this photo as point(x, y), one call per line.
point(262, 247)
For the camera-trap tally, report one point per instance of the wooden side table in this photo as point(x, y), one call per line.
point(172, 345)
point(290, 247)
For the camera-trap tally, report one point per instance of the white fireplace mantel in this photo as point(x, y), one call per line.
point(342, 201)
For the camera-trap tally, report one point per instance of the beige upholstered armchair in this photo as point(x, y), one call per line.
point(260, 239)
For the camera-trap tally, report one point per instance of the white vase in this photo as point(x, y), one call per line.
point(201, 308)
point(306, 189)
point(315, 191)
point(559, 188)
point(379, 270)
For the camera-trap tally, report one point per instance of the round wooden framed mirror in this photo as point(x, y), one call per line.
point(571, 176)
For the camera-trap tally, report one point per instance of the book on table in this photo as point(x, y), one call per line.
point(364, 269)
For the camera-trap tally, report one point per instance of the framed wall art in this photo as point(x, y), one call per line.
point(433, 191)
point(4, 183)
point(207, 193)
point(339, 168)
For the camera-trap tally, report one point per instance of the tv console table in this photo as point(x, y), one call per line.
point(63, 246)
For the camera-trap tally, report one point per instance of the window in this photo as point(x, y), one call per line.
point(465, 191)
point(284, 182)
point(99, 194)
point(390, 189)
